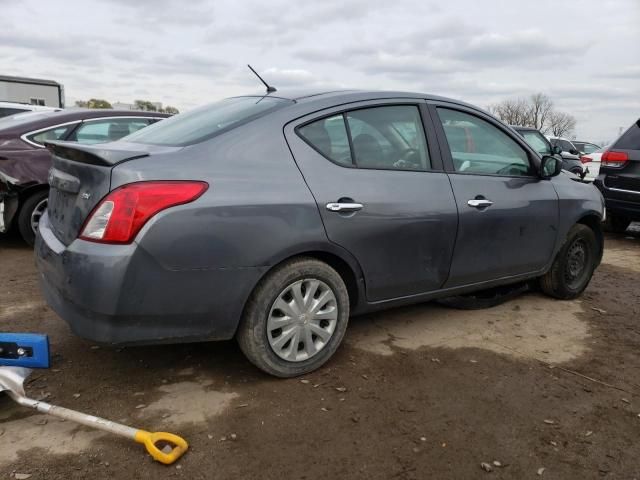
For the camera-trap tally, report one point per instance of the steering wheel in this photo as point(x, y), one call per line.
point(408, 159)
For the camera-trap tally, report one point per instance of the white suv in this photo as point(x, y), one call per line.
point(9, 108)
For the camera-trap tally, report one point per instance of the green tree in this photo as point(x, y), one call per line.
point(171, 110)
point(98, 103)
point(145, 105)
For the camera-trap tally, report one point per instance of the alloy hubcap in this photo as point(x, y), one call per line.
point(302, 320)
point(37, 213)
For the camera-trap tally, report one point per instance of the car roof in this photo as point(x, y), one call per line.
point(307, 96)
point(28, 121)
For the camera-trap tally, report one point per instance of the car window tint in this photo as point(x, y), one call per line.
point(329, 137)
point(55, 133)
point(537, 142)
point(108, 130)
point(479, 147)
point(389, 137)
point(630, 140)
point(205, 122)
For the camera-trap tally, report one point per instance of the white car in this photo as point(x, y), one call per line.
point(591, 162)
point(10, 108)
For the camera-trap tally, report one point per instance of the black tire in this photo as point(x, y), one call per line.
point(25, 215)
point(616, 223)
point(573, 266)
point(252, 332)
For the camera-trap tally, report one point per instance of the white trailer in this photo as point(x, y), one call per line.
point(34, 91)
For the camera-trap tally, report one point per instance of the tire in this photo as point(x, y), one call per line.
point(31, 210)
point(573, 266)
point(259, 339)
point(616, 223)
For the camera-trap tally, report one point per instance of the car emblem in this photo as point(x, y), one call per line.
point(86, 196)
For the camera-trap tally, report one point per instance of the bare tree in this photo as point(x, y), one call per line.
point(512, 112)
point(560, 124)
point(540, 108)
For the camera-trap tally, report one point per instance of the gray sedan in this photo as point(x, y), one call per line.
point(273, 218)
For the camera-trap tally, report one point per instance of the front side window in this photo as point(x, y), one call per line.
point(205, 122)
point(386, 138)
point(108, 130)
point(55, 133)
point(479, 147)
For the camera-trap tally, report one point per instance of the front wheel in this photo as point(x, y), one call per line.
point(29, 216)
point(295, 319)
point(573, 266)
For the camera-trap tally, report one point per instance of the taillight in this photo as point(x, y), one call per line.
point(614, 159)
point(585, 159)
point(123, 212)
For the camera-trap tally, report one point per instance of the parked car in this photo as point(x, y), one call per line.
point(585, 147)
point(619, 179)
point(591, 164)
point(25, 162)
point(11, 108)
point(273, 218)
point(538, 141)
point(570, 154)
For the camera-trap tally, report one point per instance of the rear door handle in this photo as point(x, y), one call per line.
point(344, 207)
point(479, 203)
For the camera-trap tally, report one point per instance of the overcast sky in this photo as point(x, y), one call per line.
point(584, 54)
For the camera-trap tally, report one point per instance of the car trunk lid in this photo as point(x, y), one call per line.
point(80, 177)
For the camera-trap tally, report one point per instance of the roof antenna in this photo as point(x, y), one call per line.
point(270, 89)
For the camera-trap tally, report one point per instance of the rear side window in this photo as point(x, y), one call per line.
point(384, 138)
point(55, 133)
point(630, 140)
point(481, 148)
point(205, 122)
point(108, 130)
point(329, 137)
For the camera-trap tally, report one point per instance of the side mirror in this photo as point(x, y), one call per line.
point(550, 167)
point(573, 151)
point(556, 150)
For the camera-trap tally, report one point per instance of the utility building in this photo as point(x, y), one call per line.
point(34, 91)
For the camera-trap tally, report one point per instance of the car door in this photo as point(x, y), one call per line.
point(378, 182)
point(508, 216)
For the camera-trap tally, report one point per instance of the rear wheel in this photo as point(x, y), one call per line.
point(30, 213)
point(573, 266)
point(295, 319)
point(616, 223)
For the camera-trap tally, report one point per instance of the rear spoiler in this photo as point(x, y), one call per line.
point(93, 154)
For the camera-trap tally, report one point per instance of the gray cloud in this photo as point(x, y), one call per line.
point(189, 53)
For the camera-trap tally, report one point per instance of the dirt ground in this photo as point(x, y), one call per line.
point(548, 389)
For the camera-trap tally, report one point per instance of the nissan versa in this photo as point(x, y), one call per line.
point(273, 218)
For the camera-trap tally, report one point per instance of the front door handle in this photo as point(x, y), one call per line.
point(344, 207)
point(479, 203)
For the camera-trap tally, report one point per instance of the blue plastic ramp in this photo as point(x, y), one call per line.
point(29, 350)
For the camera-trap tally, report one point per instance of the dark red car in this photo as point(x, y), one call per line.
point(25, 162)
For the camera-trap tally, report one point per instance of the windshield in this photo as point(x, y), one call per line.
point(205, 122)
point(536, 141)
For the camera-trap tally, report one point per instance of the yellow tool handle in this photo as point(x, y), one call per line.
point(151, 439)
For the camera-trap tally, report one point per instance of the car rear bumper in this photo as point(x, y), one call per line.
point(119, 294)
point(620, 202)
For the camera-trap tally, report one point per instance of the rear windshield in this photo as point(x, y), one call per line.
point(206, 122)
point(630, 140)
